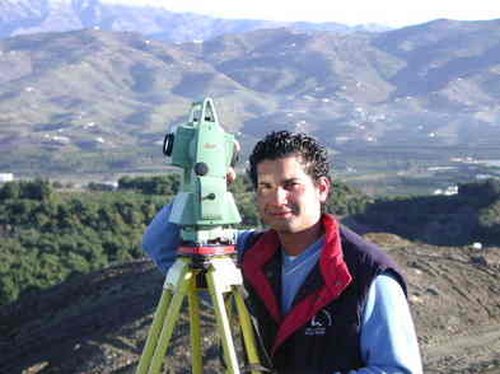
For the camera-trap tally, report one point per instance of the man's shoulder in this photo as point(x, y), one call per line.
point(247, 238)
point(365, 257)
point(355, 242)
point(359, 254)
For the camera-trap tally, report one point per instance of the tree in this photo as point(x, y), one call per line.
point(9, 190)
point(38, 189)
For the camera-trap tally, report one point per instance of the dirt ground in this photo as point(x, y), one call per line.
point(97, 323)
point(454, 295)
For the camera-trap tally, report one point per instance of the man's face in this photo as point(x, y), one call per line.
point(289, 200)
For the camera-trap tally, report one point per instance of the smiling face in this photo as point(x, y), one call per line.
point(289, 200)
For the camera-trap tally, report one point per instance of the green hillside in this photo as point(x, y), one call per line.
point(472, 215)
point(49, 235)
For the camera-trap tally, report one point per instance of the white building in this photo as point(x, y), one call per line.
point(6, 177)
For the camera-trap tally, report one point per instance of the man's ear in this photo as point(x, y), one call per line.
point(324, 186)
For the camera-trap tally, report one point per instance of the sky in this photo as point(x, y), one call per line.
point(392, 13)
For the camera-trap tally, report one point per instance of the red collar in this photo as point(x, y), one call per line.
point(334, 272)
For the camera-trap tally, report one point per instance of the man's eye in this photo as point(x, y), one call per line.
point(292, 185)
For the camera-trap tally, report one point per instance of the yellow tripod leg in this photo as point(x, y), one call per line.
point(246, 329)
point(154, 332)
point(195, 331)
point(177, 282)
point(217, 286)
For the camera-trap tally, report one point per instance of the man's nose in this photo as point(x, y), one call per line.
point(280, 196)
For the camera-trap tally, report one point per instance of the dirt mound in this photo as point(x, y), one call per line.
point(454, 294)
point(90, 322)
point(97, 323)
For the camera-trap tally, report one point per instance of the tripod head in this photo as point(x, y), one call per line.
point(203, 208)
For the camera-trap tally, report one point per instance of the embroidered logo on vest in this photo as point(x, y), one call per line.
point(319, 323)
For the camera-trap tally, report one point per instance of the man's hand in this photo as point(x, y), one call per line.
point(231, 174)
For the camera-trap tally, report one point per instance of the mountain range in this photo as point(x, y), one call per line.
point(100, 100)
point(34, 16)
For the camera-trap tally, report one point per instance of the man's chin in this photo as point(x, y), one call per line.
point(282, 225)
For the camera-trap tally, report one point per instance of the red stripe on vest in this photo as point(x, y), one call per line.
point(253, 264)
point(334, 271)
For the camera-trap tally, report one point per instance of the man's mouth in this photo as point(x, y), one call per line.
point(281, 213)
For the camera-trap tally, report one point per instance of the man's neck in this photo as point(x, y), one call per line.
point(294, 243)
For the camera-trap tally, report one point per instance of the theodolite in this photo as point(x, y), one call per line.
point(203, 208)
point(204, 211)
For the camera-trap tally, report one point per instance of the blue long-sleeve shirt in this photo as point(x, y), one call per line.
point(388, 340)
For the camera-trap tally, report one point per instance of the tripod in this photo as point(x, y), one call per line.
point(183, 279)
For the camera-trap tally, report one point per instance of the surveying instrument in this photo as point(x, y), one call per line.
point(203, 210)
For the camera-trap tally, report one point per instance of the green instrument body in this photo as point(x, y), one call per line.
point(203, 207)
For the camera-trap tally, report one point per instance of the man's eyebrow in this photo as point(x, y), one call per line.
point(290, 180)
point(263, 183)
point(284, 181)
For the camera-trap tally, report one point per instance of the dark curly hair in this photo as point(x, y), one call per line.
point(280, 144)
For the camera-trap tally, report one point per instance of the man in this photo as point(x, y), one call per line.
point(326, 301)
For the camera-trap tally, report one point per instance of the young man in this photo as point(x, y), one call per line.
point(326, 301)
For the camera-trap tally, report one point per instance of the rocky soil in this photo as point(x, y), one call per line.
point(97, 323)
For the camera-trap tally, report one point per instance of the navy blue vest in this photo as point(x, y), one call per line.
point(312, 339)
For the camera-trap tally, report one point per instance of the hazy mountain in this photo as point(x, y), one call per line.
point(103, 101)
point(32, 16)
